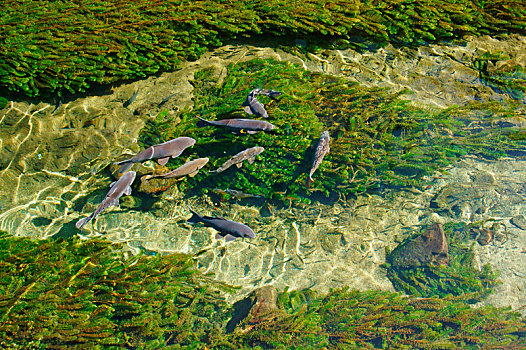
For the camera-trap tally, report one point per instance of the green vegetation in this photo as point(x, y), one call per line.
point(377, 320)
point(378, 139)
point(459, 278)
point(72, 294)
point(55, 47)
point(508, 78)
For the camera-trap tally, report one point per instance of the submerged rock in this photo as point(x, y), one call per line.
point(261, 305)
point(430, 247)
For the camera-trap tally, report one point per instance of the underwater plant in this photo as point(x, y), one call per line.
point(63, 294)
point(378, 140)
point(115, 41)
point(351, 319)
point(69, 294)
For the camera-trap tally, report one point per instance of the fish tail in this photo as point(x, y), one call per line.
point(125, 166)
point(80, 224)
point(202, 122)
point(310, 181)
point(195, 217)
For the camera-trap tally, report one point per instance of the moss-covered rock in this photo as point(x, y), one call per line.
point(458, 277)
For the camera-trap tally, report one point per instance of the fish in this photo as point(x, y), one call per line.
point(270, 93)
point(322, 148)
point(117, 189)
point(59, 104)
point(228, 229)
point(253, 106)
point(190, 168)
point(236, 193)
point(131, 99)
point(166, 99)
point(249, 154)
point(162, 152)
point(242, 126)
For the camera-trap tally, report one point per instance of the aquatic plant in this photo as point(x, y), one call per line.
point(70, 294)
point(346, 319)
point(378, 139)
point(458, 278)
point(508, 78)
point(56, 48)
point(63, 294)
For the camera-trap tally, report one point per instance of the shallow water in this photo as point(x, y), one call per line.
point(56, 170)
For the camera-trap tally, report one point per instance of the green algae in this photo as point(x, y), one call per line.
point(459, 278)
point(502, 77)
point(85, 294)
point(378, 140)
point(72, 294)
point(346, 319)
point(115, 41)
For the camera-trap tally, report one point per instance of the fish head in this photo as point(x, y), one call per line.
point(258, 150)
point(129, 177)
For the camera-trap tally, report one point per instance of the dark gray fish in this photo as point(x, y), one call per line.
point(59, 104)
point(162, 152)
point(249, 155)
point(228, 229)
point(117, 189)
point(253, 106)
point(322, 148)
point(166, 99)
point(270, 93)
point(242, 126)
point(131, 99)
point(190, 168)
point(237, 194)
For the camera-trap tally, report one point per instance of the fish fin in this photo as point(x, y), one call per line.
point(239, 165)
point(80, 224)
point(218, 236)
point(128, 191)
point(113, 183)
point(310, 181)
point(248, 110)
point(146, 177)
point(194, 173)
point(251, 132)
point(163, 161)
point(126, 165)
point(229, 238)
point(195, 217)
point(251, 160)
point(202, 122)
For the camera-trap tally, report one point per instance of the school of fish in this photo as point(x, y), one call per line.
point(227, 229)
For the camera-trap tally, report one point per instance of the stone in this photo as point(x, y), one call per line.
point(430, 247)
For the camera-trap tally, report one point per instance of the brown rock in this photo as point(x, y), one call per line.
point(430, 247)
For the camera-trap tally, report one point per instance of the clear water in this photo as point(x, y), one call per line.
point(54, 171)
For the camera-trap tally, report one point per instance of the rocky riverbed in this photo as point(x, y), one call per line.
point(54, 165)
